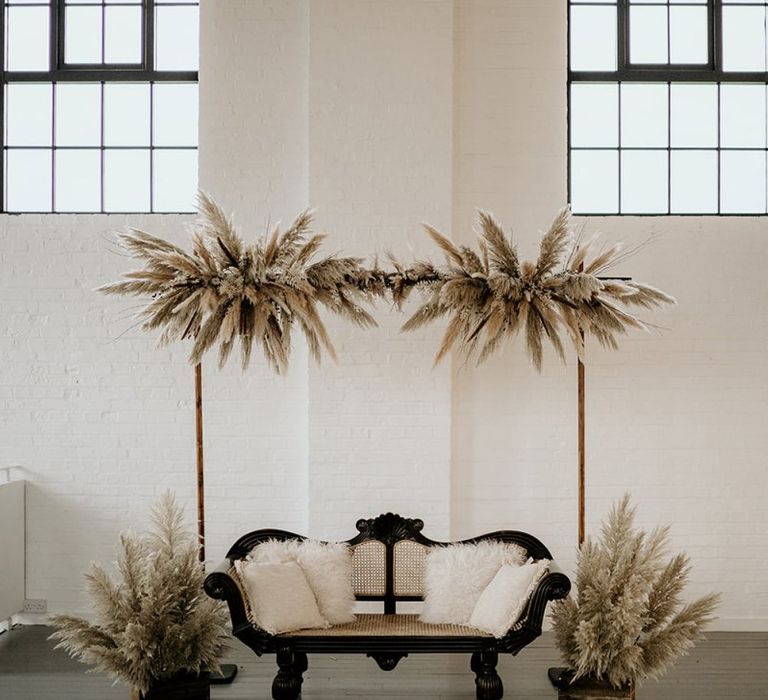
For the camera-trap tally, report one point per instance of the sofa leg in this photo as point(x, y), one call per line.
point(487, 681)
point(301, 663)
point(287, 683)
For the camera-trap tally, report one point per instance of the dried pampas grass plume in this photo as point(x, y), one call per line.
point(489, 296)
point(226, 290)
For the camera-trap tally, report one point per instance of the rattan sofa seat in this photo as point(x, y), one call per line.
point(389, 554)
point(378, 625)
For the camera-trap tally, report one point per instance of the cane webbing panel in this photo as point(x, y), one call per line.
point(390, 626)
point(408, 569)
point(369, 563)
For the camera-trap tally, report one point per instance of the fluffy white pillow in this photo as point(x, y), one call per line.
point(327, 566)
point(502, 602)
point(280, 597)
point(456, 575)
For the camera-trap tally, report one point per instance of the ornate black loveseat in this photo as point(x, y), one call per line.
point(388, 563)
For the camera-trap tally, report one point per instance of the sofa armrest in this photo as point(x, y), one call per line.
point(555, 585)
point(221, 585)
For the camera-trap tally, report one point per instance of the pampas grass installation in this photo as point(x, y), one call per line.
point(628, 620)
point(489, 295)
point(228, 290)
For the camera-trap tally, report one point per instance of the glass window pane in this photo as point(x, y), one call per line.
point(78, 114)
point(126, 180)
point(123, 2)
point(26, 38)
point(644, 114)
point(82, 34)
point(122, 35)
point(742, 116)
point(687, 2)
point(694, 115)
point(126, 114)
point(176, 38)
point(28, 114)
point(28, 180)
point(27, 2)
point(644, 182)
point(174, 114)
point(595, 182)
point(742, 182)
point(689, 31)
point(694, 182)
point(593, 38)
point(648, 35)
point(78, 180)
point(175, 180)
point(594, 112)
point(744, 38)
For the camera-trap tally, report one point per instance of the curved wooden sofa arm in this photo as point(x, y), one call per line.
point(220, 585)
point(555, 585)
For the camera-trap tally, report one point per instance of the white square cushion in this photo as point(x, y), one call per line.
point(327, 566)
point(456, 575)
point(503, 601)
point(280, 597)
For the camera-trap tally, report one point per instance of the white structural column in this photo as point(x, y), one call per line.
point(253, 160)
point(380, 164)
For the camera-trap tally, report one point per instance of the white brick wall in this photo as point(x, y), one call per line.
point(383, 115)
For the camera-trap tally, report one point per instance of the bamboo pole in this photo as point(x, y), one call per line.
point(200, 461)
point(582, 447)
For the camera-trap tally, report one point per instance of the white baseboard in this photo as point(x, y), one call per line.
point(740, 624)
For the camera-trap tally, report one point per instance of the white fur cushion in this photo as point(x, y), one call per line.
point(456, 575)
point(280, 597)
point(327, 566)
point(502, 602)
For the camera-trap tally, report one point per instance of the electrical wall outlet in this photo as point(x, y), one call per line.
point(35, 605)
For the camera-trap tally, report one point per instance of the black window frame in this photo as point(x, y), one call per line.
point(626, 72)
point(102, 73)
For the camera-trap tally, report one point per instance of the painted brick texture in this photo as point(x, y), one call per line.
point(383, 115)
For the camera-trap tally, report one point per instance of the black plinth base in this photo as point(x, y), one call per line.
point(560, 676)
point(227, 675)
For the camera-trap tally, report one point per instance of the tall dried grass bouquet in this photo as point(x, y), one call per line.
point(227, 290)
point(155, 621)
point(489, 294)
point(628, 621)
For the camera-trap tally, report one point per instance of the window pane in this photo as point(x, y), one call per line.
point(688, 35)
point(26, 38)
point(694, 115)
point(78, 114)
point(174, 109)
point(644, 182)
point(744, 38)
point(742, 182)
point(742, 116)
point(28, 114)
point(594, 112)
point(593, 38)
point(28, 180)
point(648, 35)
point(175, 180)
point(122, 38)
point(694, 182)
point(78, 180)
point(82, 32)
point(644, 114)
point(126, 114)
point(176, 38)
point(594, 182)
point(126, 180)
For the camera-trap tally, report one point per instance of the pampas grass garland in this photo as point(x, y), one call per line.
point(227, 291)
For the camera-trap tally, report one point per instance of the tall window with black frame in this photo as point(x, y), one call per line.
point(667, 108)
point(99, 105)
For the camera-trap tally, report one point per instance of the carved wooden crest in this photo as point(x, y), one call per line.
point(390, 527)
